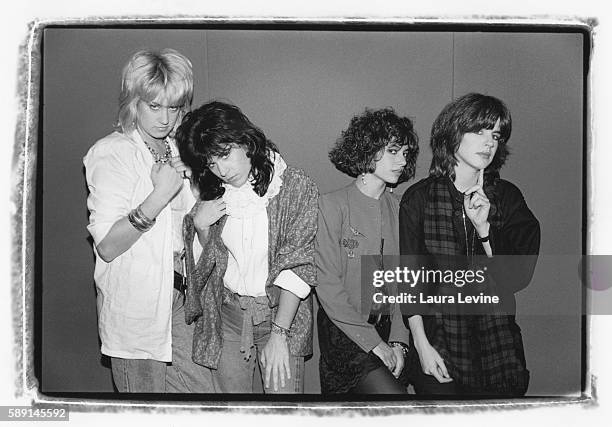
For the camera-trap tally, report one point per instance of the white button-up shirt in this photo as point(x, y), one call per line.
point(134, 291)
point(245, 236)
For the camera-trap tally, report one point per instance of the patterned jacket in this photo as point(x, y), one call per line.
point(292, 217)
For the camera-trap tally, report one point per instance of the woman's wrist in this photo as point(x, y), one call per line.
point(280, 330)
point(153, 205)
point(483, 230)
point(139, 220)
point(420, 342)
point(400, 345)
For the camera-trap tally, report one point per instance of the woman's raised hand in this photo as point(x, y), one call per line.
point(181, 168)
point(477, 206)
point(166, 180)
point(206, 213)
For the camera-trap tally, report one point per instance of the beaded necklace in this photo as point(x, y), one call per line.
point(156, 157)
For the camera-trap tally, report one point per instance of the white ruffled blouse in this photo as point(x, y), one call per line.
point(245, 236)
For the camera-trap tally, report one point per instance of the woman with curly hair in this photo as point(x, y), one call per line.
point(362, 345)
point(249, 293)
point(466, 215)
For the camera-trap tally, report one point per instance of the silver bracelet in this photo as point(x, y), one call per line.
point(139, 220)
point(403, 346)
point(279, 330)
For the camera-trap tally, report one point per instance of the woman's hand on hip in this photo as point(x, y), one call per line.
point(275, 361)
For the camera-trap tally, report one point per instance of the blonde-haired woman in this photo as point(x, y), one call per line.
point(138, 194)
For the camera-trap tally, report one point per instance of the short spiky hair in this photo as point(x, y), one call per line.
point(469, 113)
point(149, 74)
point(367, 134)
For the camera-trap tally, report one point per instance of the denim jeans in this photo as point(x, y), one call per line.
point(183, 375)
point(234, 373)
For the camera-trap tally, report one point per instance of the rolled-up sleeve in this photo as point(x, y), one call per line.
point(110, 182)
point(293, 283)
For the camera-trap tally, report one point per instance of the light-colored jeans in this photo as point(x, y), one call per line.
point(183, 375)
point(234, 373)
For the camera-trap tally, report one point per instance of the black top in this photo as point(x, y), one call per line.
point(514, 230)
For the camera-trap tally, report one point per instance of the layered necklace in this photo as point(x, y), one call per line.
point(157, 158)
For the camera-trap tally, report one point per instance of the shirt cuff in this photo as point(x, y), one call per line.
point(293, 283)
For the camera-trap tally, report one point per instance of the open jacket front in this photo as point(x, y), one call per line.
point(292, 219)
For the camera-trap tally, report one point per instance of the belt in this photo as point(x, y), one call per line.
point(255, 310)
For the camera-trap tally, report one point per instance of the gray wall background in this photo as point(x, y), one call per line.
point(302, 88)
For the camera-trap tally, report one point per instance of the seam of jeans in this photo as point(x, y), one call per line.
point(126, 378)
point(181, 378)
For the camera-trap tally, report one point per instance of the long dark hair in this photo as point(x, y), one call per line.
point(208, 131)
point(469, 113)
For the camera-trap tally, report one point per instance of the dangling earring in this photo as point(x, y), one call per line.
point(363, 181)
point(390, 189)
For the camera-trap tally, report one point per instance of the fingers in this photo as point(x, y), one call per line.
point(180, 167)
point(176, 162)
point(442, 367)
point(287, 369)
point(267, 375)
point(398, 369)
point(440, 372)
point(220, 207)
point(436, 374)
point(275, 375)
point(478, 187)
point(399, 361)
point(390, 361)
point(441, 379)
point(280, 373)
point(386, 355)
point(477, 199)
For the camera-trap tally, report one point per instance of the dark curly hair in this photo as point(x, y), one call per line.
point(208, 131)
point(360, 145)
point(469, 113)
